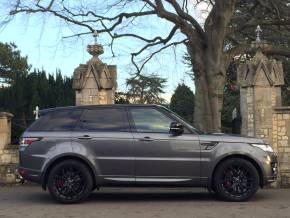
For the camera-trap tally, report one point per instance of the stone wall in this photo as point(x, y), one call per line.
point(281, 144)
point(9, 160)
point(9, 156)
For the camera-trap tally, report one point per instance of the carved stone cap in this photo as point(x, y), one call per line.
point(104, 75)
point(260, 45)
point(260, 71)
point(78, 76)
point(5, 115)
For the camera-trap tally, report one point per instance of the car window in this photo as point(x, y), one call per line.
point(104, 119)
point(150, 120)
point(60, 120)
point(188, 124)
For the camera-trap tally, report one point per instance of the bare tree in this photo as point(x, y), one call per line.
point(210, 46)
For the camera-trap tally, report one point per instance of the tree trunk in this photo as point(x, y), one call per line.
point(203, 119)
point(208, 101)
point(209, 69)
point(209, 75)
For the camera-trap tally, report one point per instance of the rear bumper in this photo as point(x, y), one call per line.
point(30, 175)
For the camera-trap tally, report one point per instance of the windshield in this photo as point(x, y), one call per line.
point(180, 118)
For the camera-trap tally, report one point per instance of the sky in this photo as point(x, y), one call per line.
point(42, 40)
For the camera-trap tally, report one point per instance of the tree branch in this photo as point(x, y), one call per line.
point(247, 49)
point(185, 27)
point(254, 22)
point(133, 55)
point(157, 38)
point(44, 9)
point(117, 17)
point(187, 17)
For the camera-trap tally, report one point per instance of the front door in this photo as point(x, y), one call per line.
point(161, 157)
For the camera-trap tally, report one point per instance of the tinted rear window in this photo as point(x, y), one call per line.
point(62, 120)
point(104, 119)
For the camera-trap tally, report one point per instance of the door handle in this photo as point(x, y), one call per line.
point(85, 137)
point(146, 139)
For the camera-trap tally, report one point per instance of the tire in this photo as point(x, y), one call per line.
point(236, 179)
point(70, 182)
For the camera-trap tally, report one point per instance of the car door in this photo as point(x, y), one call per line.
point(162, 157)
point(103, 135)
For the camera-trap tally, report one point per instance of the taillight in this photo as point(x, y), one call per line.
point(28, 141)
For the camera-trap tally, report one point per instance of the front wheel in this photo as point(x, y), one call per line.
point(236, 179)
point(70, 181)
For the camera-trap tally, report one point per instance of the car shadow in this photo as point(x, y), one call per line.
point(139, 196)
point(143, 196)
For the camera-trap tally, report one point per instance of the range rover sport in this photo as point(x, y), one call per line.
point(73, 150)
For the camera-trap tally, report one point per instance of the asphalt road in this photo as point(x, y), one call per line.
point(26, 201)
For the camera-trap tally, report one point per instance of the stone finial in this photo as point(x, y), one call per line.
point(36, 112)
point(95, 35)
point(258, 33)
point(96, 49)
point(259, 44)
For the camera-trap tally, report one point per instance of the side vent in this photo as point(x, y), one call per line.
point(208, 145)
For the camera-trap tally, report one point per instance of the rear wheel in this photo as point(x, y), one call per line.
point(236, 179)
point(70, 181)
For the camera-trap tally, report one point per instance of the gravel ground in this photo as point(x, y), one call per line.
point(31, 201)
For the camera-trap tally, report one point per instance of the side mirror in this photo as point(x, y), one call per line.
point(176, 128)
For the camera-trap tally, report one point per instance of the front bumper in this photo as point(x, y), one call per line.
point(271, 168)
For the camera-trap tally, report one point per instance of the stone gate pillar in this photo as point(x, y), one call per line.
point(5, 130)
point(260, 81)
point(8, 153)
point(95, 82)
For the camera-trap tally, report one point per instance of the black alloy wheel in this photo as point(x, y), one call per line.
point(70, 181)
point(236, 179)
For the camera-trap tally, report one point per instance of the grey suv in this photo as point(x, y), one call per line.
point(73, 150)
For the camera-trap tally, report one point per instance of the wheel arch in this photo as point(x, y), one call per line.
point(59, 159)
point(242, 156)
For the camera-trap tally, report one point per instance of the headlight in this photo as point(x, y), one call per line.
point(264, 147)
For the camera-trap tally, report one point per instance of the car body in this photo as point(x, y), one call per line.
point(137, 145)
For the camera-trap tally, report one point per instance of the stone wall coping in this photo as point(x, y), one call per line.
point(282, 110)
point(11, 147)
point(5, 114)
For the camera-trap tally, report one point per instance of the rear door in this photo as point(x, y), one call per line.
point(103, 133)
point(54, 128)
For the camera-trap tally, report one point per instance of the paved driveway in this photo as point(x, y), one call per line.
point(27, 201)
